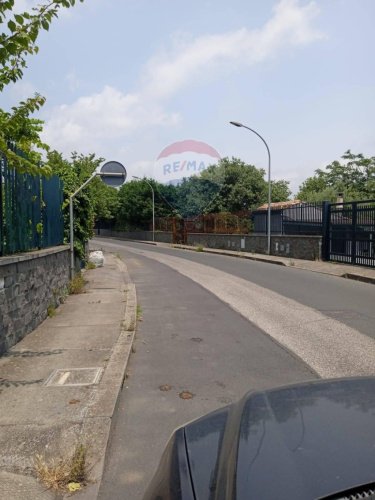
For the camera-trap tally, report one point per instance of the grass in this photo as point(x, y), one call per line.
point(51, 311)
point(199, 248)
point(139, 312)
point(77, 284)
point(63, 474)
point(90, 265)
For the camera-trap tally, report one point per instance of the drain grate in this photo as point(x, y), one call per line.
point(74, 377)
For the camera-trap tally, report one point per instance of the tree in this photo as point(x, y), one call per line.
point(135, 204)
point(17, 130)
point(195, 195)
point(355, 178)
point(20, 132)
point(280, 190)
point(243, 186)
point(73, 174)
point(23, 30)
point(231, 186)
point(105, 200)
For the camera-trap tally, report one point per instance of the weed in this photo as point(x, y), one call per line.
point(63, 474)
point(139, 313)
point(77, 284)
point(199, 248)
point(51, 311)
point(292, 263)
point(90, 265)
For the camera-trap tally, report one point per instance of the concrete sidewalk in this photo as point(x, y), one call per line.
point(59, 385)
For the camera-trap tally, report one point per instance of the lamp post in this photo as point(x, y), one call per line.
point(237, 124)
point(153, 204)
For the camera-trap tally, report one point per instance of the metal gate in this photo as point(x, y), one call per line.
point(178, 231)
point(350, 233)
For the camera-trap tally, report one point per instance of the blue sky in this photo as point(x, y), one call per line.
point(125, 78)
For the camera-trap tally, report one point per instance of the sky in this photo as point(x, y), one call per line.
point(125, 78)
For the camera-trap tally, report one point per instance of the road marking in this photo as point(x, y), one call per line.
point(329, 347)
point(64, 377)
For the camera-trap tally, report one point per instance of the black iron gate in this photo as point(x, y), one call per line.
point(350, 233)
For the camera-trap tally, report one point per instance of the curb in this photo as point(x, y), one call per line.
point(227, 254)
point(96, 418)
point(358, 277)
point(351, 276)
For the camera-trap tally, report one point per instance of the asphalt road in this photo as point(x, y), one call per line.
point(188, 340)
point(191, 338)
point(351, 302)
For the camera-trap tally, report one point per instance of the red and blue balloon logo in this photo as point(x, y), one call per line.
point(183, 159)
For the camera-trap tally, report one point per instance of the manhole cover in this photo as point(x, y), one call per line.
point(74, 377)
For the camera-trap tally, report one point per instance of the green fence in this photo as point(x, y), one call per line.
point(30, 211)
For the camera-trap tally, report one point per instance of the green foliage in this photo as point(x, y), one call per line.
point(105, 200)
point(135, 204)
point(354, 177)
point(17, 41)
point(231, 186)
point(77, 284)
point(280, 190)
point(21, 33)
point(73, 174)
point(19, 131)
point(51, 311)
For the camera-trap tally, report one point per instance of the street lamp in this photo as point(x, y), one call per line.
point(237, 124)
point(153, 204)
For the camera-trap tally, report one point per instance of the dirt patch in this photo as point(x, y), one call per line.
point(186, 395)
point(165, 387)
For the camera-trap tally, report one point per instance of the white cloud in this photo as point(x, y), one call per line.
point(108, 114)
point(291, 25)
point(73, 81)
point(21, 90)
point(104, 116)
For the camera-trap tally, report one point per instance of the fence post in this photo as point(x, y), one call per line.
point(2, 159)
point(354, 233)
point(326, 220)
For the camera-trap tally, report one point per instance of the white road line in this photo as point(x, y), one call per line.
point(328, 346)
point(64, 377)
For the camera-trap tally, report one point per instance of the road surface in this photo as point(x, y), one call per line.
point(214, 327)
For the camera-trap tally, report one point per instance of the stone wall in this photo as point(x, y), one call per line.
point(30, 284)
point(296, 247)
point(160, 236)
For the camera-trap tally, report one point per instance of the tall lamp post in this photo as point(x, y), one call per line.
point(153, 205)
point(237, 124)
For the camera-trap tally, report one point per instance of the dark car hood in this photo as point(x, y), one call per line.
point(300, 442)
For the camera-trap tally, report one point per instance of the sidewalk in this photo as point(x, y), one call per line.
point(47, 411)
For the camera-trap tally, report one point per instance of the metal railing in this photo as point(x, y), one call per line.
point(30, 210)
point(350, 234)
point(301, 219)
